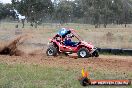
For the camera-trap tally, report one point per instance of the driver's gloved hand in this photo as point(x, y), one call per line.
point(78, 43)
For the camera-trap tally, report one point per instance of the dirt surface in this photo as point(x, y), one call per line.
point(120, 63)
point(32, 52)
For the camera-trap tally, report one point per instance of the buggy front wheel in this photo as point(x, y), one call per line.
point(83, 53)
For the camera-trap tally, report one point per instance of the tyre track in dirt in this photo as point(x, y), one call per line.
point(38, 57)
point(100, 63)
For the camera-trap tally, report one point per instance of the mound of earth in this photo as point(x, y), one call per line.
point(11, 48)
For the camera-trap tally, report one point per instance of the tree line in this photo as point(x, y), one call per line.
point(94, 12)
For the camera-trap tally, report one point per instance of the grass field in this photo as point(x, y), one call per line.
point(112, 37)
point(35, 76)
point(16, 74)
point(41, 71)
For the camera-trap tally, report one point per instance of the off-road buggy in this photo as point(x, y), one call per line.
point(82, 48)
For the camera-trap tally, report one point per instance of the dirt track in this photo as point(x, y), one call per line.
point(115, 63)
point(37, 56)
point(30, 55)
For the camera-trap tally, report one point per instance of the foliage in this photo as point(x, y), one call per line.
point(34, 10)
point(5, 11)
point(83, 11)
point(64, 11)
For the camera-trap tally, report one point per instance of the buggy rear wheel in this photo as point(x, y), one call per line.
point(51, 51)
point(83, 53)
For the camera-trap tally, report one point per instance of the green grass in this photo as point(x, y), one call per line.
point(36, 76)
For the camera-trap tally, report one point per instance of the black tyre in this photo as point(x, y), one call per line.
point(83, 53)
point(95, 53)
point(51, 51)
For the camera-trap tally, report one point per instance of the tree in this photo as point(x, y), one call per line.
point(78, 11)
point(34, 10)
point(64, 11)
point(92, 11)
point(102, 11)
point(84, 11)
point(5, 11)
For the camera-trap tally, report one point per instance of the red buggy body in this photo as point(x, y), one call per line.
point(82, 48)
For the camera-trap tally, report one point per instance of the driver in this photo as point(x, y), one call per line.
point(68, 41)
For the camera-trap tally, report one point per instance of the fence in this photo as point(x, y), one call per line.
point(115, 51)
